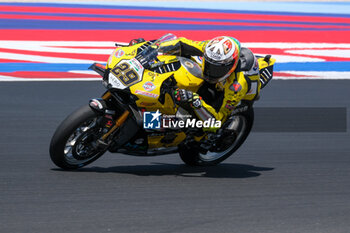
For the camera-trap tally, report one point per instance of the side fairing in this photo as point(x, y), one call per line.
point(148, 92)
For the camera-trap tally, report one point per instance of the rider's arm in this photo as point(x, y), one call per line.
point(183, 47)
point(250, 68)
point(234, 92)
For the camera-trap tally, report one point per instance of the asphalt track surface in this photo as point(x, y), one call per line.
point(277, 182)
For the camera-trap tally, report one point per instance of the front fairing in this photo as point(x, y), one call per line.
point(126, 73)
point(124, 69)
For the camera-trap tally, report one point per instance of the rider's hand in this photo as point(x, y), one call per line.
point(136, 41)
point(183, 96)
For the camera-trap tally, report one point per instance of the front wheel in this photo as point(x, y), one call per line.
point(73, 145)
point(243, 125)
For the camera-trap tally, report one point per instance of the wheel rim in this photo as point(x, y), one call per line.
point(212, 156)
point(77, 146)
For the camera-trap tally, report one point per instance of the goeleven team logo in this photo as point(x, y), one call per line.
point(155, 120)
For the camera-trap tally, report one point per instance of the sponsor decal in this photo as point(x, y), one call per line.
point(151, 120)
point(230, 104)
point(133, 53)
point(134, 67)
point(146, 94)
point(114, 81)
point(149, 86)
point(136, 64)
point(119, 53)
point(227, 46)
point(109, 124)
point(236, 87)
point(189, 64)
point(152, 75)
point(241, 109)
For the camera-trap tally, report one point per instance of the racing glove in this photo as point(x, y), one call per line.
point(136, 41)
point(184, 97)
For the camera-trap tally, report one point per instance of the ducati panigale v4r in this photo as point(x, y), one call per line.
point(139, 80)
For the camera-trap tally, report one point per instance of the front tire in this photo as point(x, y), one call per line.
point(192, 157)
point(72, 146)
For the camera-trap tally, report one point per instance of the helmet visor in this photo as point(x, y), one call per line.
point(214, 71)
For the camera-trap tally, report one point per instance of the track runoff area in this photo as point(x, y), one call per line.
point(59, 41)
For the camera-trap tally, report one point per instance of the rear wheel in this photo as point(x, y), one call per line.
point(73, 145)
point(230, 143)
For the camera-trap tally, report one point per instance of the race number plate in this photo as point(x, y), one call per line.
point(126, 73)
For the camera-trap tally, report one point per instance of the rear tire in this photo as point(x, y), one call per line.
point(189, 156)
point(192, 157)
point(67, 133)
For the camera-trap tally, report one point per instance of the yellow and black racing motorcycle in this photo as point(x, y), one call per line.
point(130, 118)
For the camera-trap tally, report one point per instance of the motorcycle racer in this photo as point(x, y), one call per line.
point(228, 68)
point(143, 81)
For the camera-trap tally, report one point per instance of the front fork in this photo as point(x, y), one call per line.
point(107, 122)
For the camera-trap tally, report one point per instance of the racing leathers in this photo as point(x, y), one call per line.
point(242, 84)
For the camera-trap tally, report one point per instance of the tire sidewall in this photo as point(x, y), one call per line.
point(64, 131)
point(191, 156)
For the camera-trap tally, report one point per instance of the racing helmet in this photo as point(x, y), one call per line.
point(220, 58)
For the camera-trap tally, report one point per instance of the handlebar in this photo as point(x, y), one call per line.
point(149, 54)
